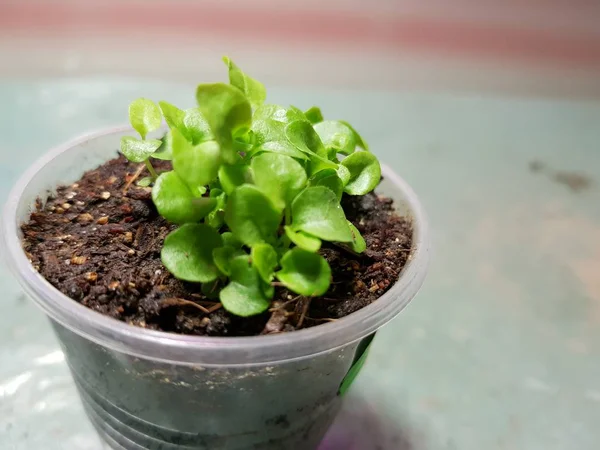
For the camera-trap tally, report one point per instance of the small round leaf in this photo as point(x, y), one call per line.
point(144, 116)
point(303, 240)
point(254, 90)
point(305, 273)
point(242, 300)
point(357, 137)
point(165, 151)
point(330, 179)
point(251, 216)
point(336, 137)
point(280, 177)
point(195, 127)
point(344, 174)
point(317, 211)
point(196, 165)
point(278, 113)
point(302, 134)
point(304, 137)
point(172, 114)
point(230, 240)
point(136, 150)
point(264, 258)
point(358, 243)
point(268, 128)
point(227, 111)
point(244, 296)
point(188, 253)
point(281, 147)
point(314, 115)
point(217, 216)
point(268, 289)
point(365, 172)
point(223, 256)
point(144, 182)
point(233, 176)
point(175, 202)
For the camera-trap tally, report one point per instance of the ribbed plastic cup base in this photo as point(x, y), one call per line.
point(113, 426)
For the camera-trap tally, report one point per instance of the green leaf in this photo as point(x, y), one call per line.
point(278, 113)
point(268, 289)
point(241, 146)
point(244, 295)
point(281, 147)
point(176, 203)
point(145, 182)
point(190, 123)
point(303, 240)
point(251, 216)
point(233, 176)
point(187, 252)
point(215, 192)
point(165, 151)
point(172, 114)
point(223, 257)
point(330, 179)
point(357, 137)
point(136, 150)
point(216, 217)
point(196, 165)
point(254, 90)
point(195, 127)
point(303, 136)
point(268, 126)
point(358, 243)
point(305, 273)
point(296, 113)
point(144, 116)
point(227, 111)
point(314, 115)
point(264, 258)
point(344, 174)
point(230, 240)
point(280, 177)
point(336, 137)
point(365, 172)
point(317, 211)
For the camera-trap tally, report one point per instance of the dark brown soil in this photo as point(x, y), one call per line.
point(98, 241)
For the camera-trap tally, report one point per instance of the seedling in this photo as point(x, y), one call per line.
point(255, 188)
point(144, 117)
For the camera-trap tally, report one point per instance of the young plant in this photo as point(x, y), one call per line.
point(145, 117)
point(256, 189)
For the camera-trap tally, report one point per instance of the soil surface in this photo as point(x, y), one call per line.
point(98, 241)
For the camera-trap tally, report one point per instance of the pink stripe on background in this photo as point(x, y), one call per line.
point(304, 29)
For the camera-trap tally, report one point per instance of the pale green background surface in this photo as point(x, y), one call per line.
point(501, 348)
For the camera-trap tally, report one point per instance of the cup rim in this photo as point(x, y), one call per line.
point(207, 350)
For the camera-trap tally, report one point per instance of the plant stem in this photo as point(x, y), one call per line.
point(135, 176)
point(153, 173)
point(288, 216)
point(285, 240)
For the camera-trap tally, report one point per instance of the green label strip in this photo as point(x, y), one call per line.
point(360, 357)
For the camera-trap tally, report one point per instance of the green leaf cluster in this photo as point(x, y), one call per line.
point(255, 188)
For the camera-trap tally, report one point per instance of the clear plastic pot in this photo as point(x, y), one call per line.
point(145, 389)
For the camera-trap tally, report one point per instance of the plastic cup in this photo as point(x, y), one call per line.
point(144, 389)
